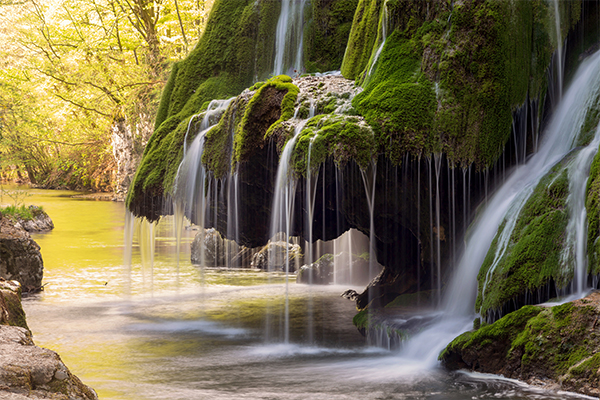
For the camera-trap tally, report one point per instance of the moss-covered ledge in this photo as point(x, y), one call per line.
point(560, 344)
point(451, 74)
point(341, 137)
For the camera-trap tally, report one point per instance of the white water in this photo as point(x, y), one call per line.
point(559, 53)
point(559, 139)
point(289, 38)
point(383, 33)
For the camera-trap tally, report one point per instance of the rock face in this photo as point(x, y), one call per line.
point(28, 371)
point(558, 347)
point(20, 257)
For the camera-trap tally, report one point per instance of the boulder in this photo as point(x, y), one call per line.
point(321, 272)
point(26, 370)
point(214, 253)
point(556, 347)
point(41, 221)
point(20, 257)
point(276, 255)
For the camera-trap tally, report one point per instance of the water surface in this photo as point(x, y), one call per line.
point(179, 332)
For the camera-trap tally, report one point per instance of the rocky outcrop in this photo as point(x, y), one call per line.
point(558, 347)
point(26, 370)
point(41, 221)
point(20, 257)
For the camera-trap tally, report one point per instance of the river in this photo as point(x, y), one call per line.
point(179, 332)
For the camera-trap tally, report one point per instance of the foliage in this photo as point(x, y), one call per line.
point(73, 69)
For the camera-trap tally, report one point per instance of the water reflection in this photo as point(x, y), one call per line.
point(213, 334)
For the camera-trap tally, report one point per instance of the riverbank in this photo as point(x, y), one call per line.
point(26, 370)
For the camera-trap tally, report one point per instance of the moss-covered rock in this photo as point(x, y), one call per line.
point(341, 137)
point(532, 257)
point(536, 343)
point(451, 73)
point(363, 37)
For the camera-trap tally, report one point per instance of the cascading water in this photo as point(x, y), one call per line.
point(383, 35)
point(560, 138)
point(289, 38)
point(190, 194)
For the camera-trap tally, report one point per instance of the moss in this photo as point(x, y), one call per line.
point(273, 103)
point(341, 137)
point(363, 36)
point(555, 339)
point(224, 62)
point(533, 255)
point(592, 205)
point(505, 330)
point(219, 140)
point(361, 320)
point(326, 32)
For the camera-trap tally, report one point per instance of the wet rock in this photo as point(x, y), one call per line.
point(321, 272)
point(20, 257)
point(213, 243)
point(28, 371)
point(275, 256)
point(219, 252)
point(557, 345)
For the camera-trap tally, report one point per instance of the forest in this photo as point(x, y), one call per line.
point(80, 82)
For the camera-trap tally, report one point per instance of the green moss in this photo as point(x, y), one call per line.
point(234, 49)
point(11, 300)
point(361, 320)
point(363, 36)
point(505, 330)
point(273, 103)
point(341, 137)
point(326, 32)
point(219, 140)
point(534, 252)
point(592, 205)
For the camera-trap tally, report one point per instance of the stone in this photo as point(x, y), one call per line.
point(322, 271)
point(549, 346)
point(20, 257)
point(26, 370)
point(273, 257)
point(41, 221)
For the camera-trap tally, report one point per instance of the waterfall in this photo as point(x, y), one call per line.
point(190, 193)
point(560, 138)
point(559, 54)
point(383, 33)
point(289, 38)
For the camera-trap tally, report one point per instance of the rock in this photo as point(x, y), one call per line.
point(41, 221)
point(273, 257)
point(214, 253)
point(28, 371)
point(219, 252)
point(20, 257)
point(559, 346)
point(11, 311)
point(320, 272)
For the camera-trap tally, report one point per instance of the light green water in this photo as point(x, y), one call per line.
point(185, 333)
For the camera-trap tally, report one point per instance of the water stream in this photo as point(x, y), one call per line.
point(203, 339)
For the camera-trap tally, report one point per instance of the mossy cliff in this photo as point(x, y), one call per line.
point(536, 344)
point(450, 74)
point(236, 50)
point(531, 258)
